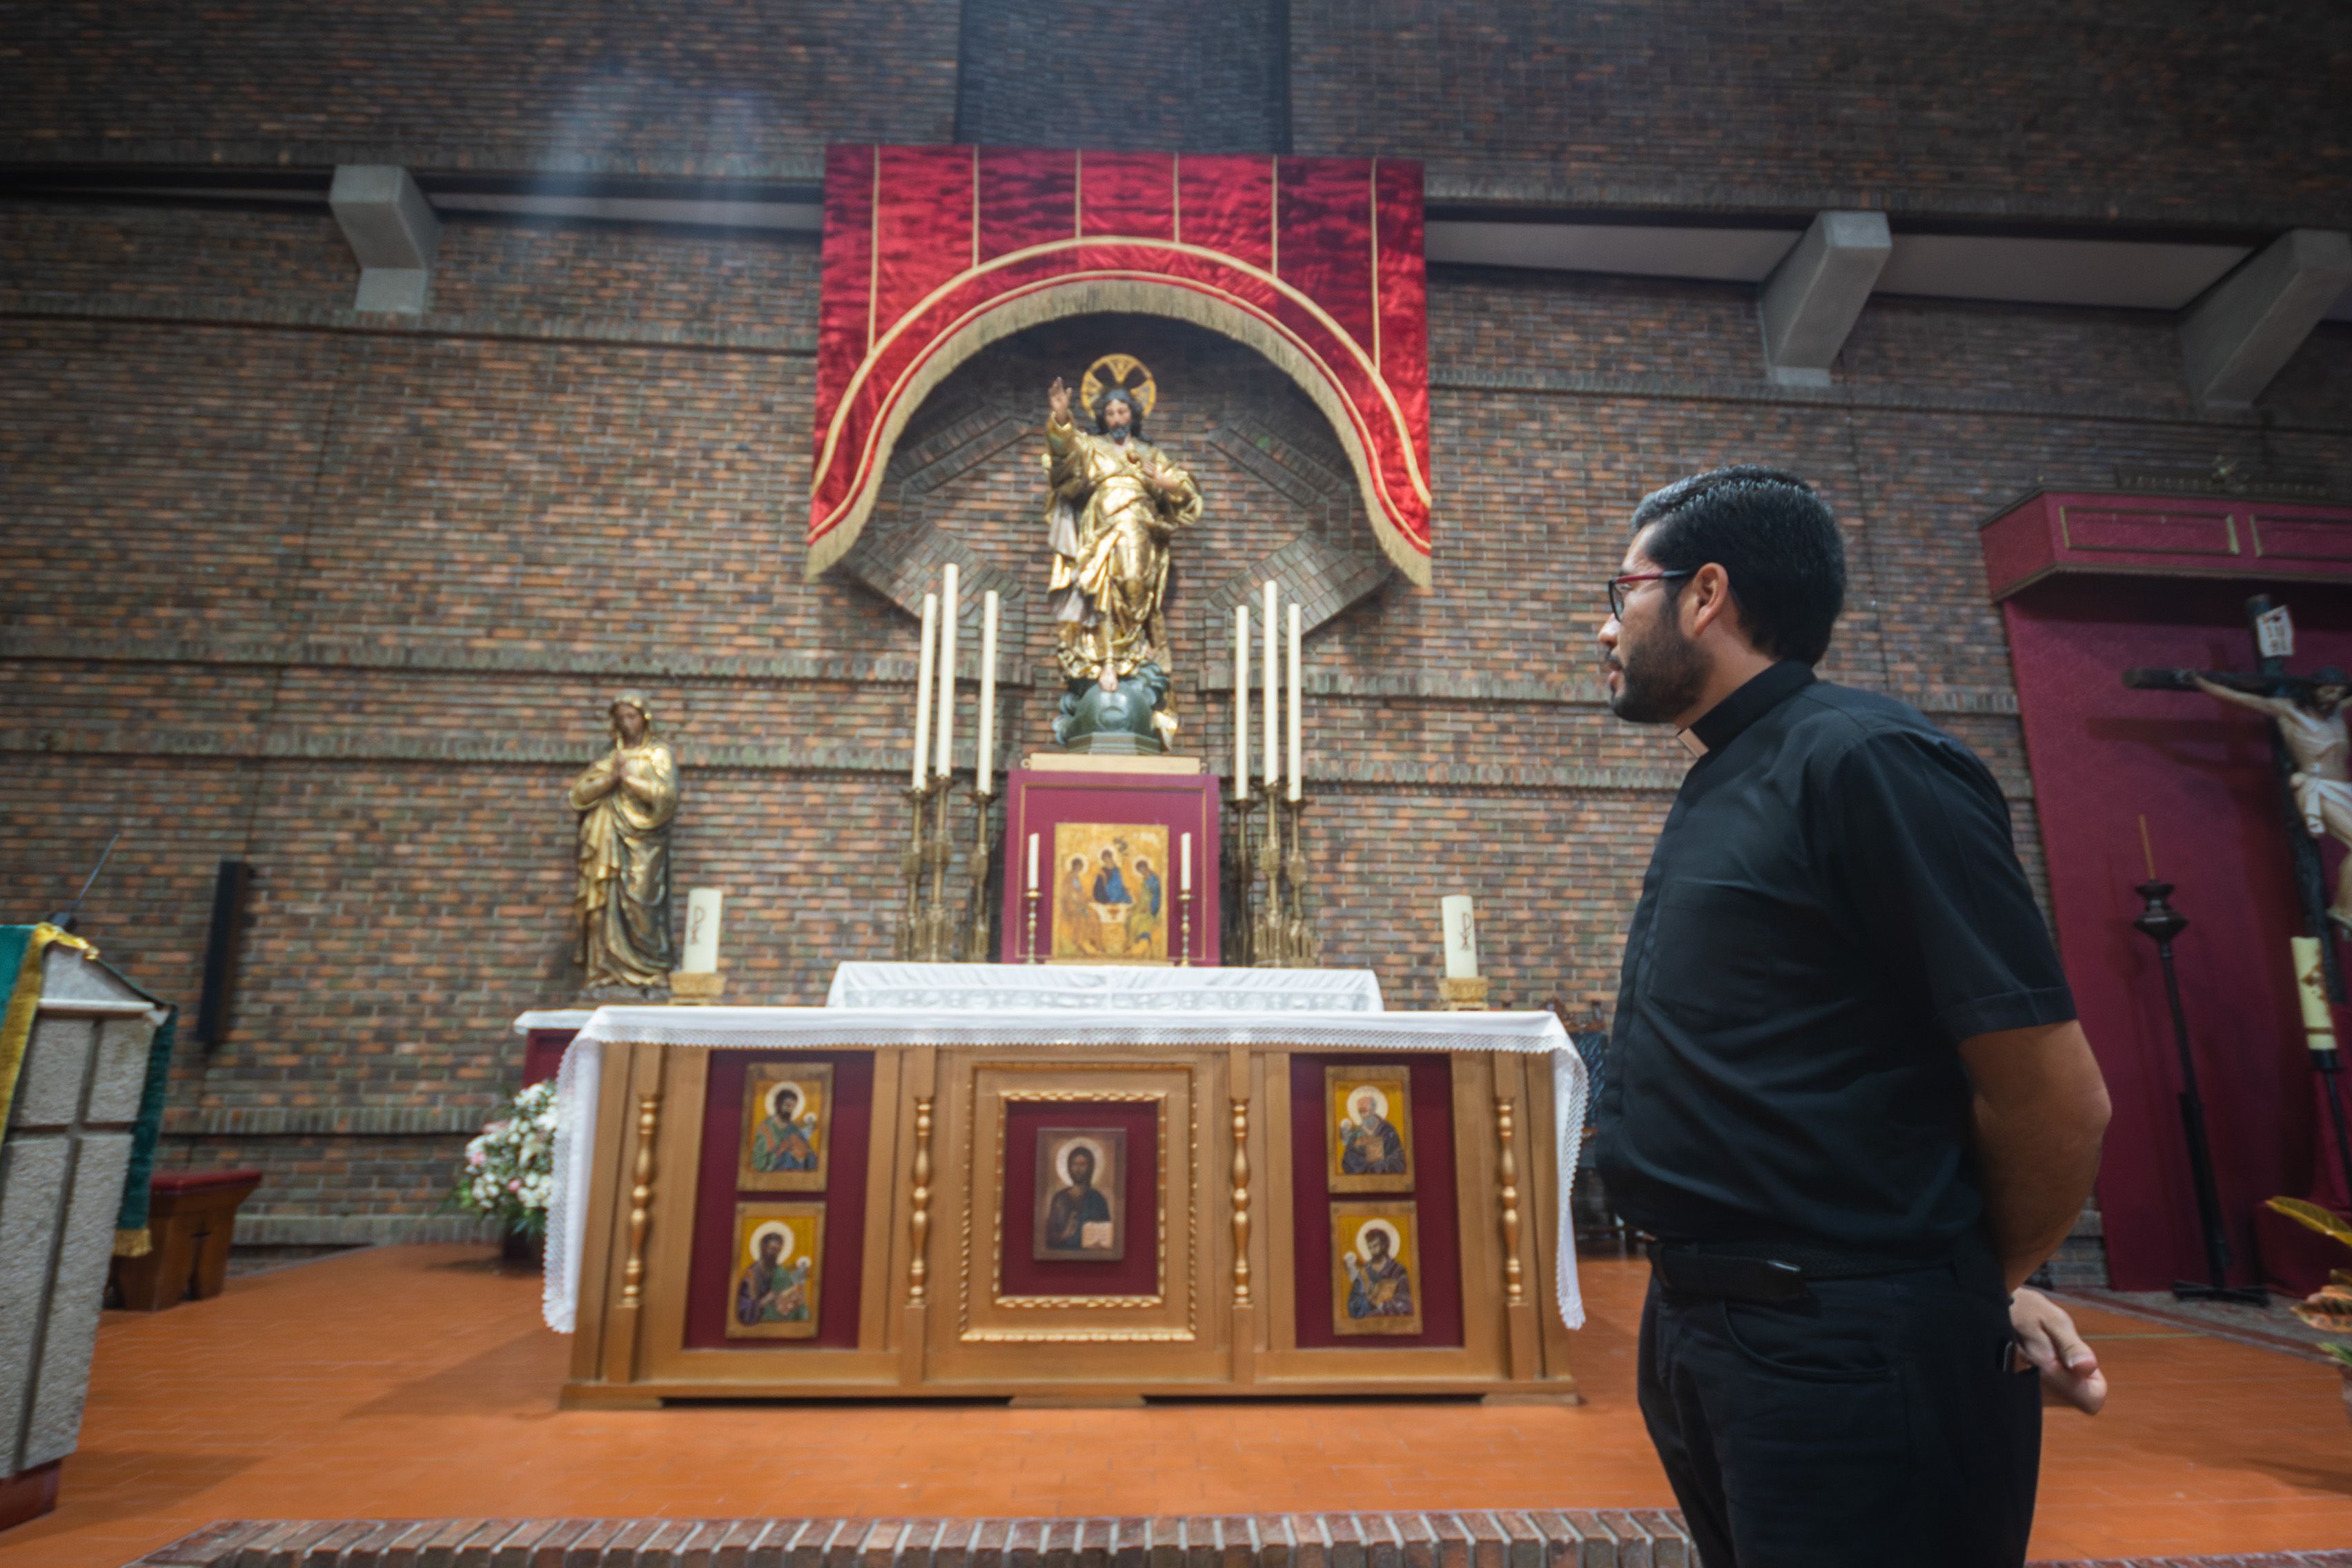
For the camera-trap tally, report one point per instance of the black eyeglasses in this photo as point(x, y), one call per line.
point(1618, 585)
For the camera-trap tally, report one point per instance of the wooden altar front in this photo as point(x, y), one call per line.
point(929, 1280)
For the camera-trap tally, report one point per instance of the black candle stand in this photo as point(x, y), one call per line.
point(2160, 923)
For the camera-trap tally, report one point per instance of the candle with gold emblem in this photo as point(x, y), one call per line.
point(702, 907)
point(1461, 937)
point(946, 759)
point(923, 689)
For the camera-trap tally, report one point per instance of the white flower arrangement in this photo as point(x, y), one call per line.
point(509, 1169)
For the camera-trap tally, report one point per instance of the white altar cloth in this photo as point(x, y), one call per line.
point(1082, 985)
point(819, 1028)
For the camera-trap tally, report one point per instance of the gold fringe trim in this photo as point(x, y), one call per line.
point(24, 1004)
point(133, 1243)
point(1106, 296)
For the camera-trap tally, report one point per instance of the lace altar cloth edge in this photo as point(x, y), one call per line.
point(801, 1028)
point(1206, 988)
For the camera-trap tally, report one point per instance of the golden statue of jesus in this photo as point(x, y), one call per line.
point(1116, 502)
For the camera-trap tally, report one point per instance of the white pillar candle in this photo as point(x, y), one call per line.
point(1186, 883)
point(923, 689)
point(1032, 862)
point(945, 761)
point(1297, 763)
point(985, 766)
point(1272, 691)
point(1241, 701)
point(702, 931)
point(1461, 937)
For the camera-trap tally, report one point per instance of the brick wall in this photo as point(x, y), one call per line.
point(2164, 110)
point(344, 596)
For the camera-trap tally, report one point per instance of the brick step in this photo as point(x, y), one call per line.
point(1572, 1538)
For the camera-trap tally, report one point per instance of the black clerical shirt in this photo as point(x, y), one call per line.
point(1833, 904)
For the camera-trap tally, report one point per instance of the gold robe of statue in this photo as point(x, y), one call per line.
point(626, 800)
point(1115, 505)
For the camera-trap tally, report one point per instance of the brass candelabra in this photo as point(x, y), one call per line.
point(977, 927)
point(1272, 931)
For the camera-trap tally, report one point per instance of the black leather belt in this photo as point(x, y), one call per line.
point(1767, 1273)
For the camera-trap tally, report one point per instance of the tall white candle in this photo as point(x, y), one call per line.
point(1241, 701)
point(1186, 884)
point(946, 759)
point(986, 764)
point(702, 906)
point(1461, 937)
point(1298, 689)
point(1032, 862)
point(923, 689)
point(1272, 691)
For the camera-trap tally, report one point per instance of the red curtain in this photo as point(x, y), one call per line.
point(931, 253)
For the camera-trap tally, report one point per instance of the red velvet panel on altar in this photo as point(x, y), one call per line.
point(1439, 1279)
point(1137, 1271)
point(2202, 772)
point(710, 1288)
point(932, 253)
point(1058, 806)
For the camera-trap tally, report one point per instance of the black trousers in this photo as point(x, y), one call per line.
point(1867, 1421)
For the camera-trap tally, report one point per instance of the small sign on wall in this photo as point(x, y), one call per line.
point(2275, 633)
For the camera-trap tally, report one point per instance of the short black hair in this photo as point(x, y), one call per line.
point(1772, 535)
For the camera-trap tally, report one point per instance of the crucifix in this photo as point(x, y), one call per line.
point(2311, 753)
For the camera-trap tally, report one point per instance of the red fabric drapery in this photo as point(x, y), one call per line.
point(932, 253)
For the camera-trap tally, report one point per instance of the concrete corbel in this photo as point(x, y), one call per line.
point(392, 230)
point(1809, 303)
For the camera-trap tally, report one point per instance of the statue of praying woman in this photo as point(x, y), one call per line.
point(625, 799)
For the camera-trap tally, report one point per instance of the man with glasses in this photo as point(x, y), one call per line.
point(1848, 1094)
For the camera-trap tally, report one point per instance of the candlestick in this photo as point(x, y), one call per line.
point(1184, 927)
point(946, 759)
point(987, 761)
point(1461, 937)
point(1297, 689)
point(702, 907)
point(1272, 691)
point(1032, 897)
point(923, 691)
point(1241, 702)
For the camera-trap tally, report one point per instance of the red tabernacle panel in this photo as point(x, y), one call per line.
point(710, 1282)
point(1432, 1196)
point(1137, 1274)
point(1037, 800)
point(2102, 756)
point(2087, 532)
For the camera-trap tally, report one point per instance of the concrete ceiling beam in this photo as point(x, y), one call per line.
point(393, 231)
point(2244, 329)
point(1809, 303)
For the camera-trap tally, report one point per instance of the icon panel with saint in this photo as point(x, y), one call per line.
point(1375, 1268)
point(1368, 1111)
point(778, 1273)
point(1081, 1197)
point(787, 1127)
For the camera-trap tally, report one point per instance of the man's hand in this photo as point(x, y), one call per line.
point(2046, 1335)
point(1057, 402)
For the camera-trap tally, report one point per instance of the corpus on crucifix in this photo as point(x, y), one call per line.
point(2315, 751)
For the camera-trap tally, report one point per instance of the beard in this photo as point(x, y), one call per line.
point(1662, 676)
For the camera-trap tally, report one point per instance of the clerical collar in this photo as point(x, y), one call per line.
point(1722, 724)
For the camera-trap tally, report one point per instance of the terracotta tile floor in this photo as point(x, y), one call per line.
point(415, 1381)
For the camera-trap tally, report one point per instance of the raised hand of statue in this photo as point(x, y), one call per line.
point(1058, 401)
